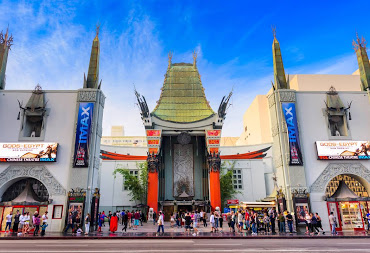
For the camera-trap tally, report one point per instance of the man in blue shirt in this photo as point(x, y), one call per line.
point(122, 215)
point(368, 220)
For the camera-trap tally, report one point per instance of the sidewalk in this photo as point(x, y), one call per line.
point(148, 231)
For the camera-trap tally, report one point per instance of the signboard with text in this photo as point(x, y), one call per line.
point(290, 116)
point(83, 132)
point(28, 152)
point(343, 150)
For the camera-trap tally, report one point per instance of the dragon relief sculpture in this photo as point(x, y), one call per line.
point(153, 162)
point(214, 162)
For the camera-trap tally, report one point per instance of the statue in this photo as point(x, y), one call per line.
point(150, 214)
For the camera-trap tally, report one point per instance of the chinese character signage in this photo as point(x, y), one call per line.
point(293, 134)
point(28, 152)
point(343, 150)
point(83, 132)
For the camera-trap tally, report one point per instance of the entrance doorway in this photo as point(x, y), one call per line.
point(348, 199)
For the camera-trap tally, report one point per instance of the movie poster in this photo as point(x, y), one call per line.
point(76, 210)
point(293, 134)
point(301, 212)
point(83, 132)
point(28, 152)
point(343, 150)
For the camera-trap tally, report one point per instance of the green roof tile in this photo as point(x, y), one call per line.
point(182, 98)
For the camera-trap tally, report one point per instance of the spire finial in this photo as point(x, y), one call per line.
point(358, 43)
point(195, 58)
point(97, 29)
point(169, 58)
point(273, 28)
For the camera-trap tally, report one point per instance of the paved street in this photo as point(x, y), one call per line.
point(231, 245)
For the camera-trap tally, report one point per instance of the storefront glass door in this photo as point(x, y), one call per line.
point(333, 207)
point(351, 215)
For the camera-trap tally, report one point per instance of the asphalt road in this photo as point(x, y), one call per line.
point(187, 245)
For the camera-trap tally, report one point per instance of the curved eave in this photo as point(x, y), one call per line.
point(177, 122)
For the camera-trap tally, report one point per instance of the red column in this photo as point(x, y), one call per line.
point(214, 189)
point(152, 199)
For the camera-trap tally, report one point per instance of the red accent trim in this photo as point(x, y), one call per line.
point(214, 189)
point(152, 200)
point(53, 213)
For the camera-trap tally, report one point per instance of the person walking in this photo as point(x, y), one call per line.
point(109, 217)
point(228, 220)
point(281, 220)
point(333, 223)
point(21, 223)
point(100, 221)
point(87, 224)
point(103, 215)
point(122, 215)
point(314, 224)
point(212, 221)
point(125, 220)
point(205, 219)
point(136, 219)
point(308, 219)
point(36, 223)
point(368, 220)
point(220, 221)
point(160, 223)
point(8, 222)
point(253, 222)
point(45, 217)
point(69, 223)
point(273, 220)
point(319, 224)
point(289, 219)
point(113, 223)
point(233, 221)
point(154, 217)
point(16, 222)
point(187, 222)
point(247, 218)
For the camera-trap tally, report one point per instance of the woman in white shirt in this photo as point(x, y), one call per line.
point(212, 221)
point(26, 226)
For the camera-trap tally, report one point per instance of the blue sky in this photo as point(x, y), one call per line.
point(52, 43)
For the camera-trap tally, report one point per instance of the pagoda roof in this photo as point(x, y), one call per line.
point(182, 98)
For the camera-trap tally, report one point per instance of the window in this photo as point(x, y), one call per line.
point(237, 179)
point(132, 172)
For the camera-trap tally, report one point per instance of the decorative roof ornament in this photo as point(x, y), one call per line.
point(224, 105)
point(358, 43)
point(273, 28)
point(280, 81)
point(5, 40)
point(142, 104)
point(92, 80)
point(97, 29)
point(195, 58)
point(169, 59)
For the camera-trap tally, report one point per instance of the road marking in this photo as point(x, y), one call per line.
point(218, 244)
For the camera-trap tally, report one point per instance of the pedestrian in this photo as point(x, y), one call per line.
point(16, 222)
point(216, 220)
point(141, 218)
point(26, 226)
point(333, 223)
point(201, 215)
point(103, 215)
point(100, 223)
point(136, 219)
point(212, 221)
point(289, 219)
point(228, 220)
point(308, 219)
point(187, 222)
point(87, 224)
point(240, 221)
point(36, 223)
point(246, 218)
point(368, 220)
point(272, 219)
point(21, 223)
point(113, 223)
point(266, 223)
point(281, 220)
point(314, 224)
point(154, 217)
point(125, 219)
point(69, 223)
point(253, 222)
point(160, 223)
point(122, 215)
point(109, 217)
point(205, 219)
point(319, 224)
point(196, 218)
point(172, 220)
point(220, 221)
point(8, 222)
point(43, 228)
point(45, 217)
point(232, 221)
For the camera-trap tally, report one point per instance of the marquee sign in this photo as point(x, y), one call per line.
point(290, 116)
point(83, 132)
point(28, 152)
point(153, 138)
point(343, 150)
point(213, 140)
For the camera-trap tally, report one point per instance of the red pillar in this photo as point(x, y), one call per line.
point(152, 199)
point(214, 189)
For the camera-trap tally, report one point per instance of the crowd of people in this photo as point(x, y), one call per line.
point(129, 220)
point(23, 223)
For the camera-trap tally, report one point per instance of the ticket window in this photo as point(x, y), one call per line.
point(351, 215)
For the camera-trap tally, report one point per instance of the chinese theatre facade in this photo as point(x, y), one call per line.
point(183, 139)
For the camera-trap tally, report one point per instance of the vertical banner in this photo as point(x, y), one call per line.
point(290, 116)
point(83, 132)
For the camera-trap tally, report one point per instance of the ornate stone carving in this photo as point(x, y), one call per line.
point(102, 99)
point(271, 99)
point(299, 192)
point(86, 96)
point(274, 130)
point(287, 96)
point(183, 170)
point(214, 162)
point(40, 173)
point(153, 162)
point(335, 169)
point(278, 162)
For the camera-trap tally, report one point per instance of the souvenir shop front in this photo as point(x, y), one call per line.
point(25, 195)
point(349, 203)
